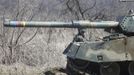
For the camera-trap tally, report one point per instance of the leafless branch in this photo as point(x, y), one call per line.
point(30, 38)
point(23, 10)
point(68, 6)
point(11, 41)
point(20, 10)
point(80, 9)
point(49, 37)
point(90, 7)
point(16, 42)
point(36, 12)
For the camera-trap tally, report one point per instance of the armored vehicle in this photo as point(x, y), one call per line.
point(111, 55)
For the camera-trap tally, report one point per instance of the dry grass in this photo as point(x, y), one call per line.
point(20, 69)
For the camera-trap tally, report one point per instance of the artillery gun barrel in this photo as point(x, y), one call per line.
point(52, 24)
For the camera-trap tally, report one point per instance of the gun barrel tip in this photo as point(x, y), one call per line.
point(6, 22)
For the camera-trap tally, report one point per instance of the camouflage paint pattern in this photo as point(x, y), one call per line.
point(104, 51)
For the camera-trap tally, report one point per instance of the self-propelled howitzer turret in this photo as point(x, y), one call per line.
point(111, 55)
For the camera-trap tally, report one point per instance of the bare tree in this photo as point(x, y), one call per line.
point(11, 38)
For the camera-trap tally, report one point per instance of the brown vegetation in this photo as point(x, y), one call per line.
point(44, 46)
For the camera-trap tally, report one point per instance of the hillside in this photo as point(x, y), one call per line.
point(42, 48)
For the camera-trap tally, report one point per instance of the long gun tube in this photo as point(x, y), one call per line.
point(52, 24)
